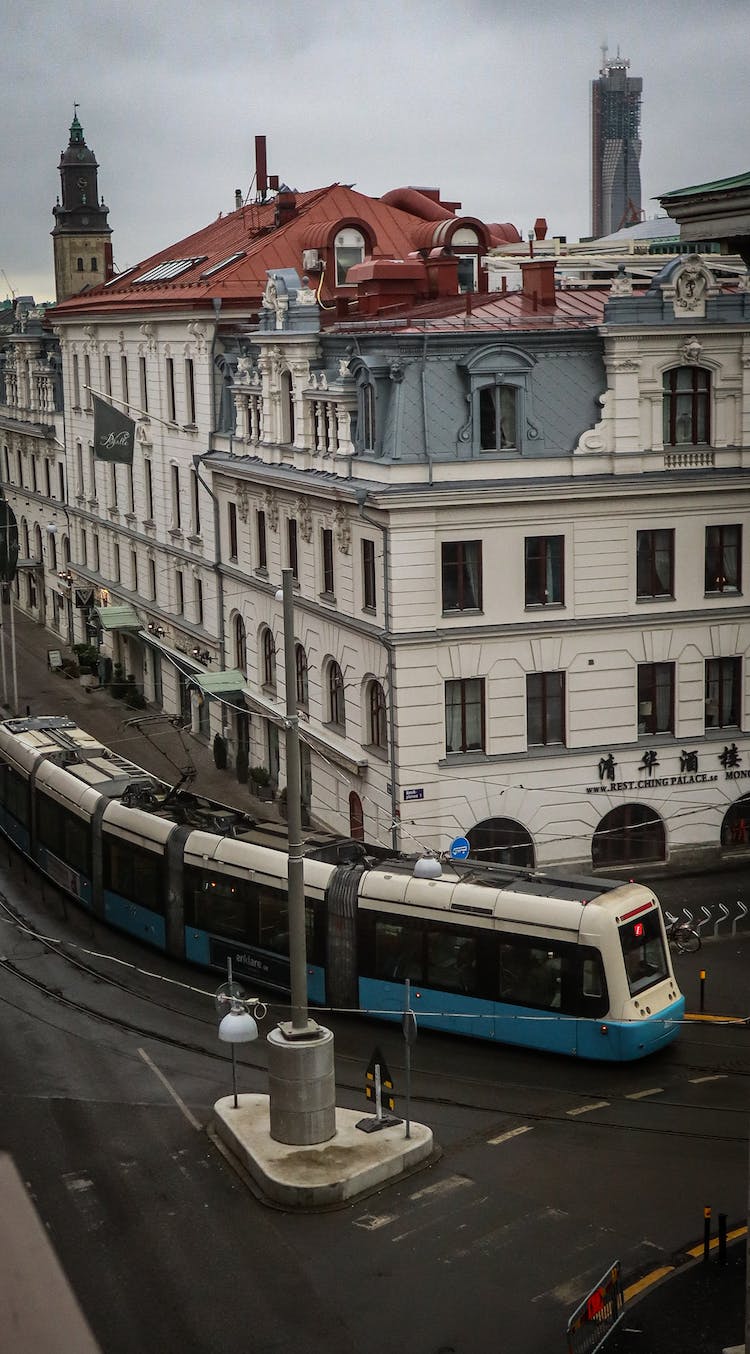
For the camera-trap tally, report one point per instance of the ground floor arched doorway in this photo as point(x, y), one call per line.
point(735, 828)
point(502, 840)
point(356, 817)
point(628, 836)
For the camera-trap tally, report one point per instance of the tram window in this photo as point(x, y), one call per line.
point(14, 795)
point(451, 961)
point(76, 843)
point(643, 952)
point(134, 873)
point(221, 903)
point(398, 952)
point(273, 921)
point(530, 975)
point(593, 977)
point(49, 825)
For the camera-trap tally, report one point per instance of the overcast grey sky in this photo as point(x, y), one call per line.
point(486, 99)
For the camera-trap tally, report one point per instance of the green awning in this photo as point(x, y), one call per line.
point(231, 681)
point(118, 617)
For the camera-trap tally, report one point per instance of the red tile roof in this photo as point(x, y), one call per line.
point(572, 309)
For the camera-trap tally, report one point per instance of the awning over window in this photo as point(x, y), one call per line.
point(335, 749)
point(118, 617)
point(263, 706)
point(231, 682)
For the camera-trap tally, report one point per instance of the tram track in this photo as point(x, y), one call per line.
point(468, 1093)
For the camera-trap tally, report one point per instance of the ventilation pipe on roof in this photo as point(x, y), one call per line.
point(237, 199)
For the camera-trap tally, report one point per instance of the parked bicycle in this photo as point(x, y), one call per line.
point(683, 937)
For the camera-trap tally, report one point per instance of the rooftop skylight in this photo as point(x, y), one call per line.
point(169, 268)
point(215, 267)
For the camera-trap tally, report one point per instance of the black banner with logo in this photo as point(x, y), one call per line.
point(114, 434)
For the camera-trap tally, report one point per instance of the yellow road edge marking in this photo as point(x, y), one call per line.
point(699, 1016)
point(695, 1251)
point(646, 1281)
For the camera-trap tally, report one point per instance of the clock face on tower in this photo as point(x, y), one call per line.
point(81, 154)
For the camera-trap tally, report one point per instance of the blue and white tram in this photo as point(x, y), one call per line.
point(569, 965)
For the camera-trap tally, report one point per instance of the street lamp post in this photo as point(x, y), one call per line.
point(301, 1080)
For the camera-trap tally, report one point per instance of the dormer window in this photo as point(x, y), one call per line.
point(465, 245)
point(349, 249)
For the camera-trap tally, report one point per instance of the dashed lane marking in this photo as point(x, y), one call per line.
point(505, 1137)
point(586, 1109)
point(641, 1095)
point(717, 1076)
point(371, 1221)
point(447, 1186)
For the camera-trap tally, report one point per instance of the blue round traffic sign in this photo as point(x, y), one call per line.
point(460, 848)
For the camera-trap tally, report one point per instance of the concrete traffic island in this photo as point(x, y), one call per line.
point(323, 1174)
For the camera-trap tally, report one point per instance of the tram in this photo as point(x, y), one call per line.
point(539, 958)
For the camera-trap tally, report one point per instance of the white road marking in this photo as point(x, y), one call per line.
point(447, 1186)
point(641, 1095)
point(371, 1221)
point(505, 1137)
point(179, 1102)
point(718, 1076)
point(585, 1109)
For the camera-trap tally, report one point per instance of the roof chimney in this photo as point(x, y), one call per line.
point(540, 228)
point(261, 174)
point(286, 206)
point(539, 280)
point(237, 199)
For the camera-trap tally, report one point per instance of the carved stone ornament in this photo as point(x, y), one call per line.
point(344, 368)
point(323, 383)
point(692, 283)
point(143, 433)
point(197, 330)
point(313, 382)
point(149, 333)
point(277, 301)
point(305, 294)
point(243, 503)
point(244, 370)
point(622, 284)
point(396, 370)
point(343, 530)
point(90, 332)
point(691, 350)
point(271, 508)
point(304, 518)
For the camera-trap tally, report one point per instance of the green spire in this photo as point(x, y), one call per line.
point(76, 130)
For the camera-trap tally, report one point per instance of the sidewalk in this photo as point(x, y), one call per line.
point(165, 752)
point(696, 1309)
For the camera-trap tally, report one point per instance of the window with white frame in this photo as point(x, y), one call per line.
point(349, 249)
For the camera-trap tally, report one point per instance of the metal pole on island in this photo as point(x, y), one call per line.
point(301, 1081)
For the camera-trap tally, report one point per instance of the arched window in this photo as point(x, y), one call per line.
point(269, 660)
point(628, 835)
point(52, 552)
point(356, 817)
point(79, 265)
point(368, 424)
point(300, 662)
point(25, 540)
point(240, 645)
point(94, 266)
point(38, 550)
point(287, 408)
point(502, 840)
point(686, 407)
point(735, 829)
point(349, 248)
point(336, 702)
point(377, 716)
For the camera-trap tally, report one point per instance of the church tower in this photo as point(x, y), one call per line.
point(81, 236)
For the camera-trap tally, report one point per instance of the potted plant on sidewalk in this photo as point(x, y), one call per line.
point(260, 783)
point(88, 658)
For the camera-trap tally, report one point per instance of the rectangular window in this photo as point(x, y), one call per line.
point(199, 601)
point(107, 375)
point(260, 522)
point(92, 474)
point(47, 477)
point(6, 458)
point(655, 698)
point(87, 382)
point(327, 550)
point(152, 578)
point(116, 562)
point(190, 389)
point(686, 407)
point(32, 459)
point(96, 552)
point(79, 469)
point(131, 489)
point(112, 486)
point(149, 490)
point(76, 384)
point(462, 575)
point(171, 403)
point(545, 708)
point(544, 570)
point(293, 559)
point(180, 592)
point(61, 482)
point(176, 509)
point(369, 595)
point(143, 379)
point(655, 563)
point(196, 502)
point(232, 515)
point(464, 715)
point(124, 379)
point(723, 693)
point(723, 558)
point(497, 418)
point(134, 570)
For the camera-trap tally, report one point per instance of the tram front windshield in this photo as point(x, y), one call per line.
point(643, 952)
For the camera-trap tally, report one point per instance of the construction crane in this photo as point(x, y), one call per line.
point(11, 289)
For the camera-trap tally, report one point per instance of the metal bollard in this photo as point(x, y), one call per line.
point(703, 989)
point(706, 1234)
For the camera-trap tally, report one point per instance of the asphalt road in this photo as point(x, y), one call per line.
point(549, 1169)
